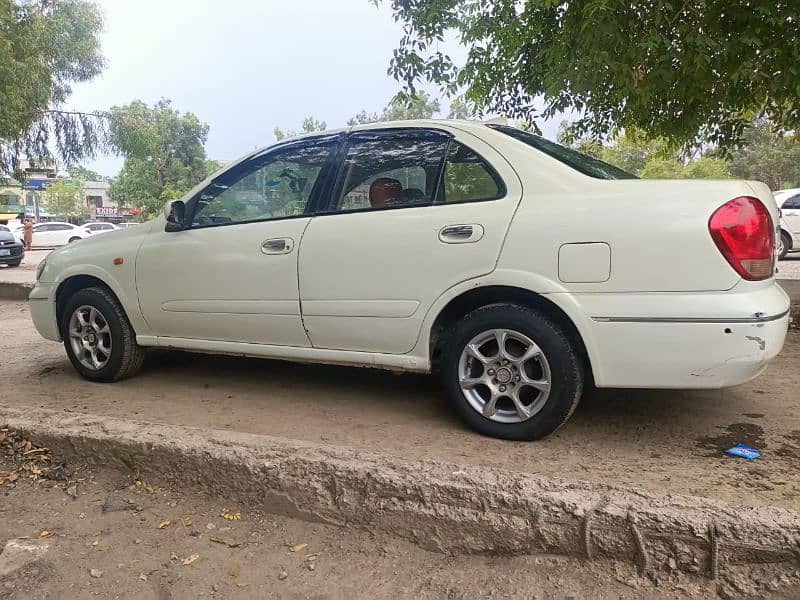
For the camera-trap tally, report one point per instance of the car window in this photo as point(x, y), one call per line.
point(390, 170)
point(276, 186)
point(61, 227)
point(467, 177)
point(43, 227)
point(792, 203)
point(583, 163)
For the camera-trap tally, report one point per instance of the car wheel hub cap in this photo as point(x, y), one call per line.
point(504, 375)
point(90, 337)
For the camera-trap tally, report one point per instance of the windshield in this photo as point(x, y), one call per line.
point(588, 165)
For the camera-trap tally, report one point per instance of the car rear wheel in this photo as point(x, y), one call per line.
point(74, 239)
point(784, 243)
point(98, 338)
point(511, 373)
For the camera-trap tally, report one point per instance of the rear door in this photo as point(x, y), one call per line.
point(414, 212)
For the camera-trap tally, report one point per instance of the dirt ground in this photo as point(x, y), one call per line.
point(663, 440)
point(105, 540)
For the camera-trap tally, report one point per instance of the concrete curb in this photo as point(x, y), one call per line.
point(445, 507)
point(15, 291)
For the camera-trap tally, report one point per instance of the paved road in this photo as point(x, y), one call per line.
point(789, 267)
point(664, 440)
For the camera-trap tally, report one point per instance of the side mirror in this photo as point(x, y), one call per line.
point(175, 212)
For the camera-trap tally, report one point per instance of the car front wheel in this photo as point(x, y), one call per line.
point(98, 338)
point(510, 372)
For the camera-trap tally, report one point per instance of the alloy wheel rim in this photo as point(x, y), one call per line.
point(90, 337)
point(504, 376)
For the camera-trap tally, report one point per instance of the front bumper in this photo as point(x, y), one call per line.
point(42, 303)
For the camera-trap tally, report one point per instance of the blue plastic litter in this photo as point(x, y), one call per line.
point(743, 451)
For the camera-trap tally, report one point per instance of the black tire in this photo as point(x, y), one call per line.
point(565, 364)
point(126, 355)
point(73, 239)
point(786, 245)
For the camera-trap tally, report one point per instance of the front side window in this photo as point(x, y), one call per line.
point(792, 203)
point(391, 171)
point(275, 187)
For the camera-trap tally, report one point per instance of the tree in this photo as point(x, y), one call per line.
point(81, 173)
point(691, 72)
point(164, 153)
point(45, 47)
point(363, 118)
point(310, 125)
point(64, 199)
point(768, 156)
point(461, 108)
point(404, 107)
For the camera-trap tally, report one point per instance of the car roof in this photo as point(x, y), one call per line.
point(789, 192)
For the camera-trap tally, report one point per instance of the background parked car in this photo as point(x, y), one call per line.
point(100, 227)
point(17, 234)
point(789, 203)
point(49, 235)
point(11, 250)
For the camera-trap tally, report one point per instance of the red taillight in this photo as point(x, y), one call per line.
point(742, 230)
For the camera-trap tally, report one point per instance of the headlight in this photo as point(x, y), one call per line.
point(40, 269)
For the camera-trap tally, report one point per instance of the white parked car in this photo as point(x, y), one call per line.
point(100, 227)
point(789, 203)
point(54, 234)
point(515, 268)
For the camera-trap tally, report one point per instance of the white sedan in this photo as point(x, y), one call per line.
point(789, 203)
point(514, 268)
point(100, 227)
point(54, 234)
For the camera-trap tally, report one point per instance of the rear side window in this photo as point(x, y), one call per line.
point(390, 171)
point(468, 178)
point(588, 165)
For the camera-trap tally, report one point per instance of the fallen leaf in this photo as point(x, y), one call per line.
point(143, 577)
point(82, 515)
point(96, 573)
point(164, 524)
point(45, 534)
point(228, 543)
point(241, 585)
point(234, 571)
point(95, 542)
point(187, 521)
point(173, 556)
point(150, 489)
point(298, 547)
point(190, 559)
point(226, 514)
point(13, 476)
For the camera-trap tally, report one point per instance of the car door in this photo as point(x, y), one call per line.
point(790, 211)
point(43, 234)
point(414, 212)
point(231, 274)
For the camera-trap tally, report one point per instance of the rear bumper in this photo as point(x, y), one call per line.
point(666, 346)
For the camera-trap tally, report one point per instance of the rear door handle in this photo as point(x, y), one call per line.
point(277, 246)
point(461, 234)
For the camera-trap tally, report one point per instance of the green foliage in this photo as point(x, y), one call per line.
point(45, 47)
point(83, 174)
point(690, 72)
point(768, 156)
point(64, 199)
point(461, 108)
point(411, 106)
point(164, 153)
point(363, 118)
point(310, 125)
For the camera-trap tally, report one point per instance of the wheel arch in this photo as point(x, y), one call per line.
point(67, 288)
point(787, 234)
point(486, 295)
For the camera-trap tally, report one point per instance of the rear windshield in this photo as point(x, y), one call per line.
point(588, 165)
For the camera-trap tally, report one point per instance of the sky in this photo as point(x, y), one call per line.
point(247, 66)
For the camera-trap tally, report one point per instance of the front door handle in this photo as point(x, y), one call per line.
point(277, 246)
point(461, 234)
